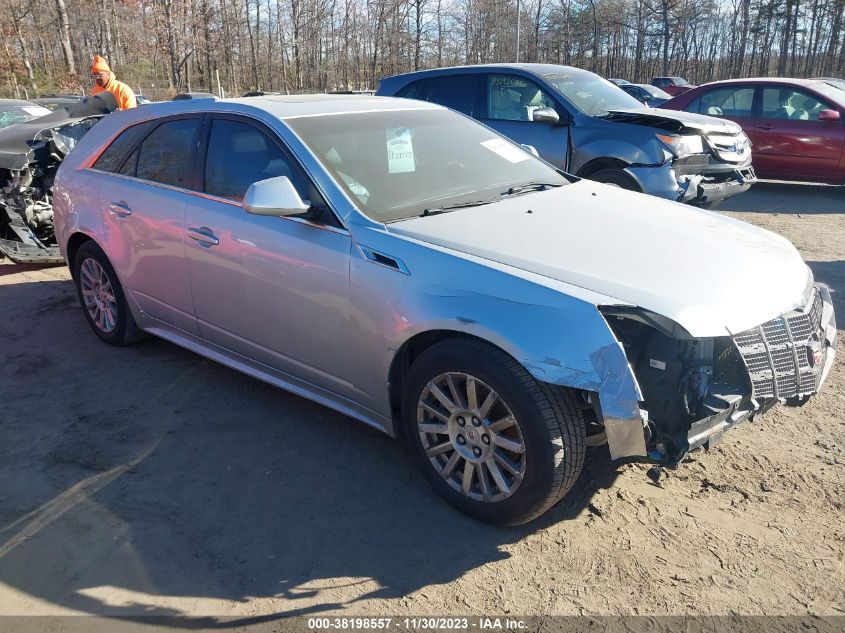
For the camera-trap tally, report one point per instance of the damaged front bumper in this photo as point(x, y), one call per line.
point(694, 179)
point(784, 360)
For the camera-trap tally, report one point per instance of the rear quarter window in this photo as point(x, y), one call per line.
point(410, 91)
point(463, 93)
point(111, 159)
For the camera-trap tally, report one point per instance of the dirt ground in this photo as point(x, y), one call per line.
point(147, 480)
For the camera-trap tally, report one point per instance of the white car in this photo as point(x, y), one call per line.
point(409, 267)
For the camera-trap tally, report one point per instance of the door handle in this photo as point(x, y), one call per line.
point(765, 126)
point(204, 235)
point(120, 208)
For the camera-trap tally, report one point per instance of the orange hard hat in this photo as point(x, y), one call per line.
point(100, 65)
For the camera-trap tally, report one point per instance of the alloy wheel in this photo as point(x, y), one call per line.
point(471, 437)
point(98, 295)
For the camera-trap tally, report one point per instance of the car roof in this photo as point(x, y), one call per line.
point(282, 106)
point(787, 81)
point(536, 69)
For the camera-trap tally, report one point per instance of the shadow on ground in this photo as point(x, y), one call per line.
point(7, 267)
point(149, 471)
point(832, 274)
point(777, 197)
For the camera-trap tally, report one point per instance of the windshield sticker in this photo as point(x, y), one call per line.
point(35, 111)
point(400, 151)
point(506, 150)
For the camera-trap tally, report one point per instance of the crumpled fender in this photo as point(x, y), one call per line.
point(638, 146)
point(552, 329)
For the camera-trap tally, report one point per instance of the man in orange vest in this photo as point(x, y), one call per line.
point(105, 81)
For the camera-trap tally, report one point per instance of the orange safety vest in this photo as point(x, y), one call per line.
point(123, 93)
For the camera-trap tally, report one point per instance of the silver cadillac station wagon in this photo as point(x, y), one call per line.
point(412, 269)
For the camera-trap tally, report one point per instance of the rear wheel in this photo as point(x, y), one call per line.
point(102, 297)
point(494, 442)
point(617, 178)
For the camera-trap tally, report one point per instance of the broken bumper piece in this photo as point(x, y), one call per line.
point(21, 253)
point(704, 183)
point(710, 189)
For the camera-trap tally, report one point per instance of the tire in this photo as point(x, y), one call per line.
point(617, 178)
point(544, 445)
point(101, 297)
point(706, 205)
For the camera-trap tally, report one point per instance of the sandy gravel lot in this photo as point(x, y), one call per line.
point(147, 480)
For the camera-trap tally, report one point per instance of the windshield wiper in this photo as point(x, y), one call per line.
point(531, 186)
point(450, 207)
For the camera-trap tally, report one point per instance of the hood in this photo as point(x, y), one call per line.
point(711, 274)
point(673, 121)
point(18, 142)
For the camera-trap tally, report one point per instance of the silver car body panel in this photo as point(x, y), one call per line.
point(467, 272)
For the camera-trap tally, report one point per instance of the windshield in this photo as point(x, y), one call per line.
point(680, 81)
point(590, 93)
point(399, 164)
point(9, 115)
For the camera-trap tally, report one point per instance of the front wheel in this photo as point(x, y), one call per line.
point(617, 178)
point(494, 442)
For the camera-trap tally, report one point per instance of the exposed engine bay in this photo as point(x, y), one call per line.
point(30, 154)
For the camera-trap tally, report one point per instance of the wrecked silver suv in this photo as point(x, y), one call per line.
point(30, 154)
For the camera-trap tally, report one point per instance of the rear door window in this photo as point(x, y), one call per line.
point(130, 165)
point(731, 102)
point(167, 154)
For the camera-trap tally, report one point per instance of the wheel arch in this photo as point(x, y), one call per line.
point(419, 343)
point(598, 164)
point(411, 349)
point(74, 243)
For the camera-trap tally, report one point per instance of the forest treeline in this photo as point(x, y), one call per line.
point(161, 47)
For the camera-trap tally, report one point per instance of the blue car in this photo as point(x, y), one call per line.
point(649, 95)
point(585, 125)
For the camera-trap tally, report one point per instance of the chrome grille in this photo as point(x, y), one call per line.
point(778, 353)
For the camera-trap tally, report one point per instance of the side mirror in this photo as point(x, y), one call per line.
point(545, 115)
point(829, 115)
point(275, 197)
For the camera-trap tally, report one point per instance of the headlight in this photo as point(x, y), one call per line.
point(683, 145)
point(662, 324)
point(63, 143)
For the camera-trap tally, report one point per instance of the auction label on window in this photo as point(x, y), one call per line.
point(400, 151)
point(506, 150)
